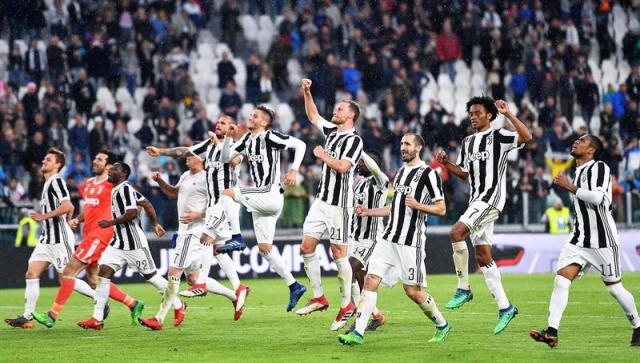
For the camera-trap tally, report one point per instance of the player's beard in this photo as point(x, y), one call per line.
point(409, 156)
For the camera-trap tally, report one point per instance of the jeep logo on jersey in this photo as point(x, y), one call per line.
point(215, 164)
point(256, 158)
point(403, 189)
point(480, 155)
point(92, 201)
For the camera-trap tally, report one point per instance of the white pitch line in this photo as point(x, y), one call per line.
point(533, 264)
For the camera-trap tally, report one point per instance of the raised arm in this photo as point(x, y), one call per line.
point(174, 152)
point(524, 135)
point(454, 169)
point(381, 178)
point(167, 188)
point(230, 152)
point(309, 106)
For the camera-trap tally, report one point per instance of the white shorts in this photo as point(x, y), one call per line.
point(187, 255)
point(216, 224)
point(326, 218)
point(139, 259)
point(605, 260)
point(479, 218)
point(265, 207)
point(58, 254)
point(393, 262)
point(361, 250)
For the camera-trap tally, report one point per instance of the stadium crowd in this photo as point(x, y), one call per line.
point(82, 75)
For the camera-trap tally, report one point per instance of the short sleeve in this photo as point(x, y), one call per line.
point(600, 177)
point(200, 149)
point(182, 177)
point(60, 189)
point(325, 126)
point(434, 186)
point(277, 140)
point(353, 148)
point(509, 138)
point(462, 160)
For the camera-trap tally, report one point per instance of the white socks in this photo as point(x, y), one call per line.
point(232, 209)
point(344, 279)
point(494, 283)
point(626, 301)
point(219, 289)
point(430, 309)
point(161, 284)
point(169, 295)
point(31, 294)
point(278, 265)
point(355, 293)
point(461, 262)
point(559, 300)
point(367, 304)
point(312, 267)
point(82, 287)
point(229, 268)
point(205, 266)
point(102, 295)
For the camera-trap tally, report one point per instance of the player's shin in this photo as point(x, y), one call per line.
point(83, 288)
point(344, 279)
point(494, 283)
point(355, 293)
point(461, 262)
point(168, 297)
point(312, 267)
point(160, 283)
point(368, 302)
point(430, 309)
point(66, 288)
point(627, 302)
point(102, 295)
point(118, 295)
point(31, 294)
point(233, 213)
point(219, 289)
point(278, 265)
point(559, 300)
point(229, 269)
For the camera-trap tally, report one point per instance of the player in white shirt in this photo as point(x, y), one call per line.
point(189, 256)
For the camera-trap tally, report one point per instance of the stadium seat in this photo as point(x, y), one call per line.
point(213, 96)
point(139, 95)
point(104, 95)
point(578, 122)
point(444, 82)
point(295, 72)
point(4, 48)
point(22, 45)
point(285, 116)
point(213, 111)
point(245, 110)
point(134, 125)
point(372, 111)
point(205, 51)
point(249, 27)
point(221, 48)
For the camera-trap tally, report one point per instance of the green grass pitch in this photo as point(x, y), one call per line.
point(593, 329)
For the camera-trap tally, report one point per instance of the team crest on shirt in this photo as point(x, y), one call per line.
point(490, 140)
point(100, 189)
point(583, 178)
point(92, 190)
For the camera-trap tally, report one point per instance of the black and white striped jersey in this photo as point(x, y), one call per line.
point(335, 188)
point(370, 193)
point(54, 192)
point(405, 225)
point(484, 156)
point(263, 154)
point(594, 226)
point(129, 235)
point(220, 175)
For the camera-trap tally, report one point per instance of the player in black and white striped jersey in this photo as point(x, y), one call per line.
point(399, 255)
point(219, 176)
point(370, 192)
point(594, 241)
point(330, 213)
point(56, 241)
point(483, 161)
point(129, 245)
point(262, 147)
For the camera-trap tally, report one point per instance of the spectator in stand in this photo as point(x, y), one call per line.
point(79, 137)
point(230, 101)
point(98, 137)
point(630, 122)
point(567, 93)
point(253, 79)
point(97, 62)
point(35, 62)
point(588, 98)
point(76, 54)
point(229, 13)
point(608, 121)
point(114, 69)
point(266, 86)
point(226, 70)
point(30, 101)
point(616, 98)
point(448, 48)
point(55, 59)
point(166, 86)
point(83, 94)
point(145, 58)
point(518, 85)
point(633, 83)
point(351, 78)
point(35, 152)
point(200, 126)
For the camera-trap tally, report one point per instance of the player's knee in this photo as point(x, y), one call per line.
point(31, 275)
point(413, 294)
point(191, 279)
point(306, 249)
point(457, 233)
point(264, 247)
point(148, 276)
point(371, 282)
point(229, 193)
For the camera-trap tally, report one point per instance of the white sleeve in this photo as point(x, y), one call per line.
point(199, 150)
point(380, 177)
point(281, 141)
point(60, 189)
point(594, 197)
point(229, 152)
point(325, 126)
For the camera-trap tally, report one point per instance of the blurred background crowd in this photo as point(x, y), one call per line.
point(81, 75)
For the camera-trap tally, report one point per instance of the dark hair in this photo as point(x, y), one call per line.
point(596, 143)
point(355, 108)
point(488, 103)
point(59, 155)
point(417, 138)
point(268, 111)
point(373, 154)
point(111, 157)
point(125, 168)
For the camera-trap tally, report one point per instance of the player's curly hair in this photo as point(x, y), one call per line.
point(488, 103)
